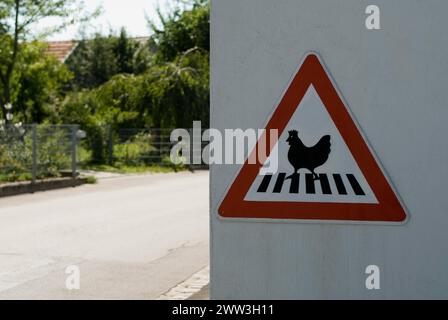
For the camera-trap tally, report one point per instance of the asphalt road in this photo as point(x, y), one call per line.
point(131, 237)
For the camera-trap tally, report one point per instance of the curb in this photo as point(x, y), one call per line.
point(190, 288)
point(17, 188)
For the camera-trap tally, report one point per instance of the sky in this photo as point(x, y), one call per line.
point(115, 14)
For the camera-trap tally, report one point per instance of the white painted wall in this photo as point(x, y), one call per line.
point(395, 81)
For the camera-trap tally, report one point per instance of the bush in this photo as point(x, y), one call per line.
point(91, 180)
point(53, 150)
point(137, 150)
point(16, 152)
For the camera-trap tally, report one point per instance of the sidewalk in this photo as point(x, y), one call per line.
point(194, 288)
point(204, 294)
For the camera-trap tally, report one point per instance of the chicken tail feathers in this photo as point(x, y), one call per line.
point(325, 143)
point(323, 148)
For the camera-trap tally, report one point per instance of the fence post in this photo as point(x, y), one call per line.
point(34, 154)
point(191, 151)
point(73, 150)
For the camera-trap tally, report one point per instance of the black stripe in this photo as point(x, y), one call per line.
point(355, 185)
point(264, 184)
point(295, 181)
point(310, 189)
point(339, 183)
point(279, 183)
point(324, 183)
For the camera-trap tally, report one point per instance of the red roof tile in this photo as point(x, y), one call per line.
point(61, 49)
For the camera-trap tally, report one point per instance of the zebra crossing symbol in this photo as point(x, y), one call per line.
point(325, 168)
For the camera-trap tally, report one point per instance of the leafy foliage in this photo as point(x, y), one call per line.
point(172, 92)
point(38, 83)
point(16, 19)
point(16, 151)
point(96, 61)
point(183, 30)
point(116, 82)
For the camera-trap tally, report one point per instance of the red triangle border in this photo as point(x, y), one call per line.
point(388, 209)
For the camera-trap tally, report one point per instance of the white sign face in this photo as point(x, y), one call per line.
point(324, 169)
point(337, 176)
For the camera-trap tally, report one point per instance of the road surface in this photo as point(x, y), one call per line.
point(131, 237)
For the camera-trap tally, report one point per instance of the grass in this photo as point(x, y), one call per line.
point(15, 177)
point(123, 169)
point(91, 180)
point(116, 168)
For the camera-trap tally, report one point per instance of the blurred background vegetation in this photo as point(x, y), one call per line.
point(110, 82)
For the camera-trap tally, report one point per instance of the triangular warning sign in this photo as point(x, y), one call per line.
point(324, 167)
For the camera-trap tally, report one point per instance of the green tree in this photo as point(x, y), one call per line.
point(16, 19)
point(182, 30)
point(181, 77)
point(111, 105)
point(177, 93)
point(94, 62)
point(38, 83)
point(79, 63)
point(104, 61)
point(97, 60)
point(125, 49)
point(169, 91)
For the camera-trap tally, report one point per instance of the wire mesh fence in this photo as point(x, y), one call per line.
point(32, 152)
point(140, 146)
point(132, 147)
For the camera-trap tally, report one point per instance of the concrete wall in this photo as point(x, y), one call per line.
point(395, 81)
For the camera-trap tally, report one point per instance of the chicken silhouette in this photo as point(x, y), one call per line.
point(301, 156)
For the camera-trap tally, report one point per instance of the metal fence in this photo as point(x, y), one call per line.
point(32, 152)
point(131, 147)
point(136, 146)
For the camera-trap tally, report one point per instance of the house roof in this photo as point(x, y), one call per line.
point(61, 49)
